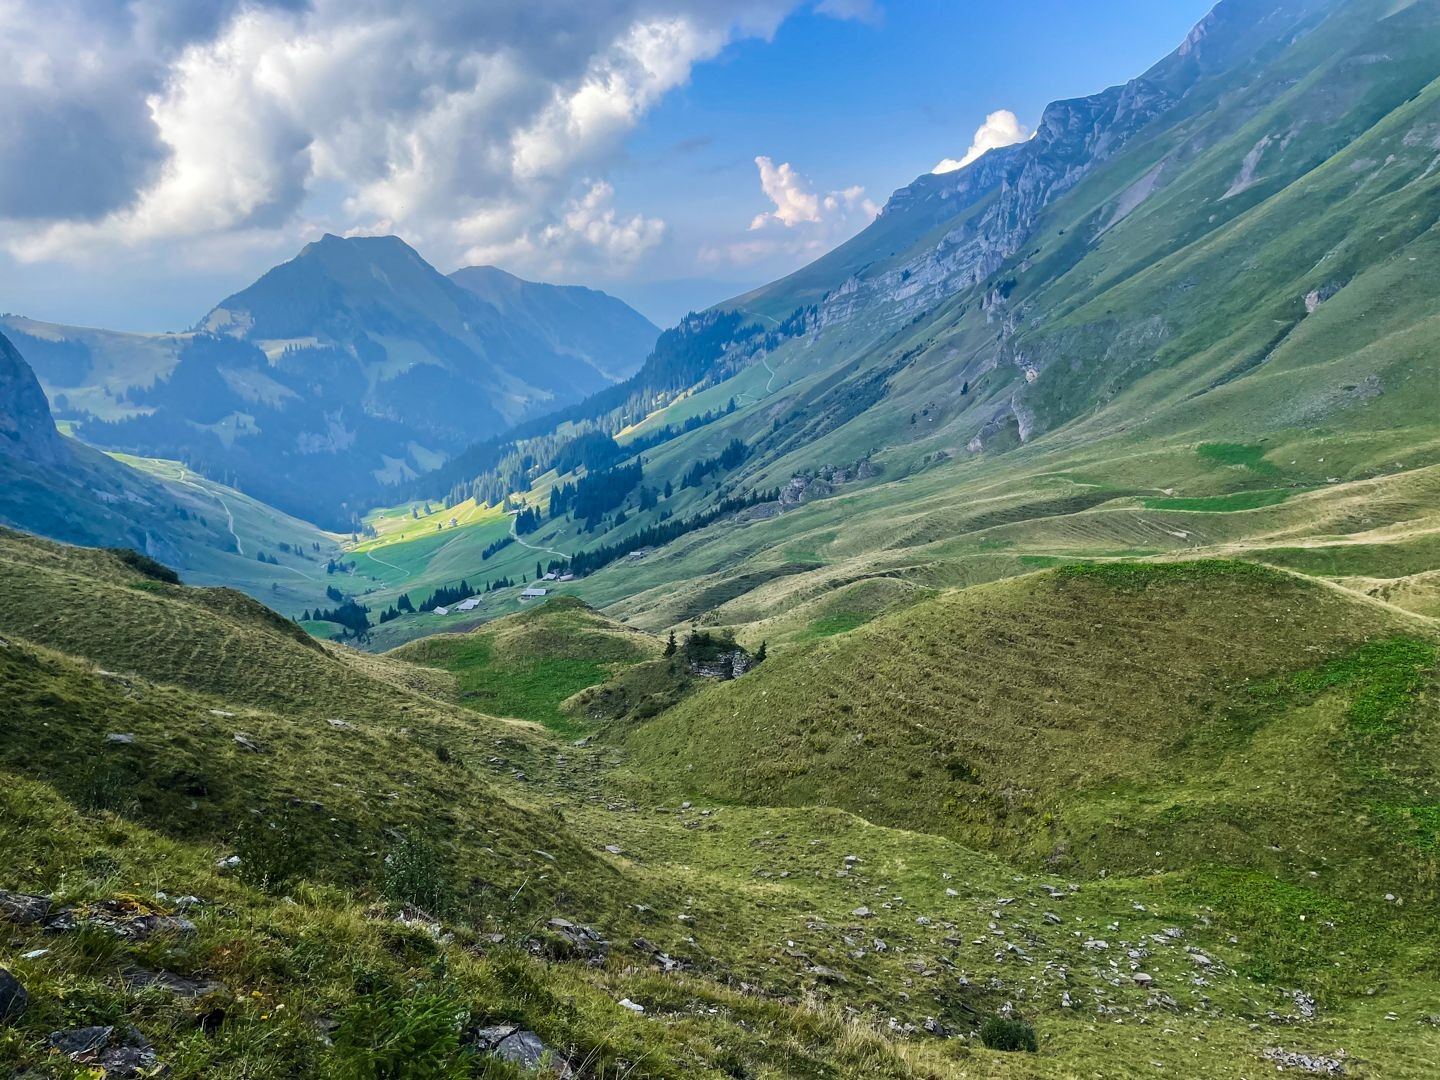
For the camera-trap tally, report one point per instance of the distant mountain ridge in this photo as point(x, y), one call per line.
point(352, 366)
point(575, 321)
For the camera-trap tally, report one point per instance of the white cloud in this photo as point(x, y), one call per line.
point(788, 190)
point(1001, 128)
point(796, 203)
point(467, 128)
point(804, 223)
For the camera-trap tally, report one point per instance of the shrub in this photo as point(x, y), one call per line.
point(998, 1033)
point(404, 1037)
point(145, 565)
point(413, 875)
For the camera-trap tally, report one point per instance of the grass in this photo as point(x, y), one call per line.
point(496, 827)
point(1238, 455)
point(527, 666)
point(1222, 504)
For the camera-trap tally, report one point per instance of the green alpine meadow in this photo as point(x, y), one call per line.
point(1001, 639)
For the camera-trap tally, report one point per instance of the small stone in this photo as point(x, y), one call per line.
point(613, 849)
point(863, 913)
point(635, 1007)
point(244, 743)
point(525, 1048)
point(120, 738)
point(1143, 980)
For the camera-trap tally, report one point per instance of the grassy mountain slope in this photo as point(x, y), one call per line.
point(777, 938)
point(1068, 716)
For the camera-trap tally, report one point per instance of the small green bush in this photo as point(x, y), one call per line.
point(997, 1033)
point(414, 875)
point(390, 1036)
point(144, 564)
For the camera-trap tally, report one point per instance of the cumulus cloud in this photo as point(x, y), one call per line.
point(469, 128)
point(796, 203)
point(1001, 128)
point(803, 222)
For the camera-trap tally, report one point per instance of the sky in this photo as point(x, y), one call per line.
point(158, 155)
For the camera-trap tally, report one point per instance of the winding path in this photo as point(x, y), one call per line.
point(229, 517)
point(382, 562)
point(532, 547)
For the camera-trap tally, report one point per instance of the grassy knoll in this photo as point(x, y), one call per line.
point(527, 665)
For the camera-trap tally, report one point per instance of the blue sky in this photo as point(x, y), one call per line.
point(603, 142)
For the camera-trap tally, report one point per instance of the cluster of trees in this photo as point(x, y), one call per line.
point(446, 595)
point(496, 545)
point(592, 495)
point(733, 454)
point(660, 436)
point(587, 562)
point(269, 560)
point(401, 606)
point(528, 520)
point(352, 616)
point(704, 647)
point(333, 567)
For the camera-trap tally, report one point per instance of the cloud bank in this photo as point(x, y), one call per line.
point(477, 131)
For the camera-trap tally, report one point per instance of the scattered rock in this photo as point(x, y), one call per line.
point(863, 913)
point(179, 985)
point(23, 908)
point(511, 1043)
point(118, 1057)
point(13, 998)
point(230, 862)
point(127, 919)
point(635, 1007)
point(1143, 980)
point(1309, 1063)
point(244, 743)
point(124, 738)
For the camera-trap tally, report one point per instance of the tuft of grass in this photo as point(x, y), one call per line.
point(1222, 504)
point(1243, 455)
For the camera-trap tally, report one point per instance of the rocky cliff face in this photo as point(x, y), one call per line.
point(1073, 139)
point(26, 428)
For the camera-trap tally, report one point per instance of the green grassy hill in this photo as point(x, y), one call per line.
point(1244, 711)
point(1073, 717)
point(529, 665)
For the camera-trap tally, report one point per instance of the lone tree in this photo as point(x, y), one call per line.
point(670, 645)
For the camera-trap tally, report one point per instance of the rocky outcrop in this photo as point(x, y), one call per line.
point(27, 430)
